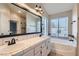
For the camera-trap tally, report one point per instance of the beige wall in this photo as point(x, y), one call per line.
point(62, 14)
point(4, 17)
point(75, 25)
point(74, 18)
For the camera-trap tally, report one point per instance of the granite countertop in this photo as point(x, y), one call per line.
point(20, 45)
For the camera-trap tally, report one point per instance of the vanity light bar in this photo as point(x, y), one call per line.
point(26, 7)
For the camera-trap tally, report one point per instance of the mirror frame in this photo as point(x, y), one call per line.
point(4, 36)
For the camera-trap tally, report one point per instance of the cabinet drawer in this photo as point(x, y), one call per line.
point(29, 53)
point(37, 49)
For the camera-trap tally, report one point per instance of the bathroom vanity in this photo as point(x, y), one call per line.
point(38, 46)
point(18, 21)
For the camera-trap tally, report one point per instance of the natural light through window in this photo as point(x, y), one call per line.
point(59, 27)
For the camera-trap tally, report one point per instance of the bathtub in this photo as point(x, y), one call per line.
point(63, 46)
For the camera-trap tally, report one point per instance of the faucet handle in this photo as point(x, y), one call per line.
point(8, 42)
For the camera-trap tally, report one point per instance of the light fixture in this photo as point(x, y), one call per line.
point(19, 11)
point(41, 12)
point(39, 9)
point(36, 8)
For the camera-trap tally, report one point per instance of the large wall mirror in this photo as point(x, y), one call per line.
point(14, 20)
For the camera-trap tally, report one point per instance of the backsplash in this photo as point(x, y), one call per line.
point(23, 37)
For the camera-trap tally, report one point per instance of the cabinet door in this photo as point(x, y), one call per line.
point(37, 49)
point(44, 49)
point(29, 53)
point(38, 54)
point(48, 46)
point(44, 44)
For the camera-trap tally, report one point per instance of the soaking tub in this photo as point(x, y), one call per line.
point(63, 46)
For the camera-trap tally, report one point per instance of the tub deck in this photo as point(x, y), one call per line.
point(63, 46)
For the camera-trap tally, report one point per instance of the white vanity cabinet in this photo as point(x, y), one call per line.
point(38, 47)
point(18, 54)
point(38, 50)
point(41, 49)
point(38, 54)
point(44, 49)
point(48, 47)
point(29, 53)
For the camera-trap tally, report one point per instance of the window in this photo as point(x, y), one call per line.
point(59, 27)
point(44, 26)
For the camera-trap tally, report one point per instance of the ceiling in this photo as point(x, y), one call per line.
point(53, 8)
point(32, 5)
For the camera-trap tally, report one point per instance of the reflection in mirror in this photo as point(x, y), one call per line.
point(14, 20)
point(13, 27)
point(33, 23)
